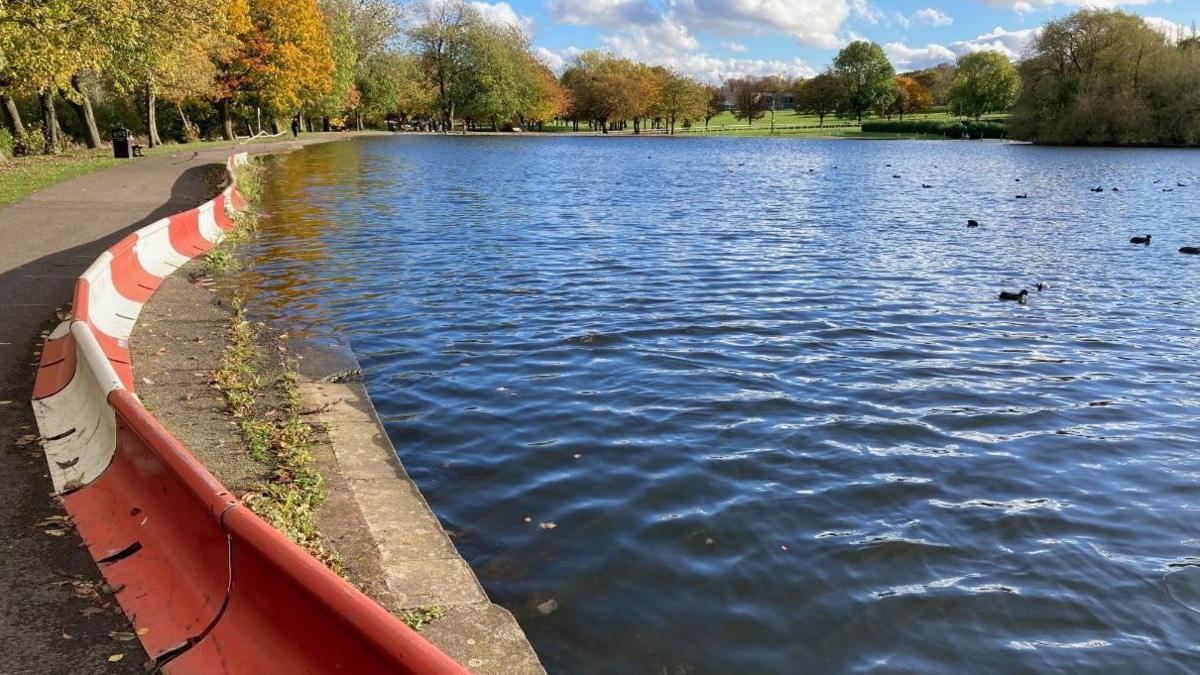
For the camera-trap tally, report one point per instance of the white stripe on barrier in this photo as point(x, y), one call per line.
point(89, 349)
point(208, 224)
point(109, 311)
point(78, 426)
point(154, 251)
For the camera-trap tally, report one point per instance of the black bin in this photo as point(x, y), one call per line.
point(121, 145)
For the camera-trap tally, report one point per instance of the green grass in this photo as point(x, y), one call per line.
point(22, 176)
point(725, 124)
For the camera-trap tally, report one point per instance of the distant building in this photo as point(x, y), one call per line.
point(785, 99)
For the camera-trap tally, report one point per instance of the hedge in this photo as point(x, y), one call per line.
point(973, 129)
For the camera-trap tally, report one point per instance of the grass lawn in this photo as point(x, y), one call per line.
point(725, 124)
point(23, 176)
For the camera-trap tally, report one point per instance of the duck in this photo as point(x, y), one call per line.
point(1116, 189)
point(1168, 189)
point(1023, 195)
point(926, 185)
point(1140, 240)
point(1180, 184)
point(1041, 286)
point(1019, 297)
point(895, 175)
point(1097, 189)
point(1017, 180)
point(1190, 250)
point(972, 223)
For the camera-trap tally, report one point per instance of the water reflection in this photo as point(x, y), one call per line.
point(777, 416)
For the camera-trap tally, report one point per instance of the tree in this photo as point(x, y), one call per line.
point(748, 102)
point(1092, 77)
point(603, 88)
point(984, 82)
point(937, 80)
point(440, 40)
point(911, 96)
point(682, 99)
point(867, 75)
point(716, 103)
point(820, 96)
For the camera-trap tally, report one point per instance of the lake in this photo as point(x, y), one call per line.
point(753, 404)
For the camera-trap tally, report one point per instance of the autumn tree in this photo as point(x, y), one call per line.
point(867, 75)
point(682, 99)
point(715, 104)
point(984, 82)
point(602, 88)
point(821, 95)
point(911, 96)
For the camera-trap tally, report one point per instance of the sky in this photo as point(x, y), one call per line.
point(716, 39)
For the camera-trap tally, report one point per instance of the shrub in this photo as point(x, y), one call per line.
point(6, 143)
point(949, 129)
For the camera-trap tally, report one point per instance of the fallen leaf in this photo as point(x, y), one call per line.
point(143, 631)
point(549, 525)
point(528, 519)
point(68, 636)
point(115, 657)
point(147, 380)
point(55, 533)
point(123, 636)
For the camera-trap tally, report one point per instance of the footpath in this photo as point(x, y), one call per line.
point(55, 614)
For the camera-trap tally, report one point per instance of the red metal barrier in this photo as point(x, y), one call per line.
point(289, 614)
point(152, 522)
point(209, 586)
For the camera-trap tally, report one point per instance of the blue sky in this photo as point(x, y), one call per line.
point(714, 39)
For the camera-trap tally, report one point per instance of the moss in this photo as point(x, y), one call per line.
point(417, 619)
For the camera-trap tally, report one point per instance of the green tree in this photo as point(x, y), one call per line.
point(1090, 79)
point(867, 75)
point(984, 82)
point(748, 102)
point(716, 103)
point(820, 96)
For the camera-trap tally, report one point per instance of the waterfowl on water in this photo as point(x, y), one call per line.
point(1168, 189)
point(1017, 180)
point(895, 175)
point(1023, 195)
point(1190, 250)
point(1179, 184)
point(1019, 297)
point(972, 223)
point(1041, 286)
point(926, 185)
point(1116, 190)
point(1140, 240)
point(1097, 189)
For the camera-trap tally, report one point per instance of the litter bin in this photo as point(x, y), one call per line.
point(120, 141)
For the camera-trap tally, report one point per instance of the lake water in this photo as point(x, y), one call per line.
point(766, 393)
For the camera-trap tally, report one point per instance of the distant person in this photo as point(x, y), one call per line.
point(295, 127)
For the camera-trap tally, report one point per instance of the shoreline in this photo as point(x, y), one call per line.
point(392, 545)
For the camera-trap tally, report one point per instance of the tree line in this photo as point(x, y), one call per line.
point(188, 69)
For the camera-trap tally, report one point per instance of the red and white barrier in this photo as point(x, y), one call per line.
point(208, 585)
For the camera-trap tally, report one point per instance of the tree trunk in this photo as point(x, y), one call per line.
point(358, 122)
point(152, 138)
point(226, 119)
point(325, 124)
point(14, 115)
point(49, 121)
point(84, 109)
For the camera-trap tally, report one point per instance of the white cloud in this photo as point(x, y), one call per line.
point(933, 17)
point(1173, 31)
point(556, 60)
point(734, 46)
point(1011, 43)
point(915, 58)
point(814, 23)
point(1027, 6)
point(503, 13)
